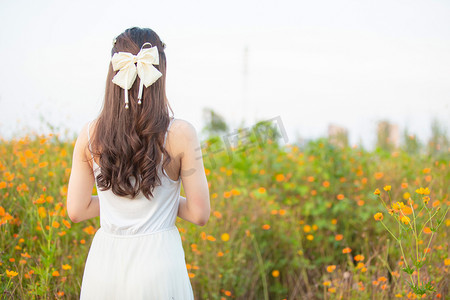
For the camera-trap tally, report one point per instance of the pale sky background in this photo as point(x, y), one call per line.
point(351, 63)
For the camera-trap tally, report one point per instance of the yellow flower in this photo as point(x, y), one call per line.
point(225, 237)
point(398, 206)
point(11, 274)
point(275, 273)
point(377, 192)
point(378, 216)
point(423, 191)
point(405, 220)
point(426, 199)
point(66, 267)
point(391, 211)
point(447, 261)
point(387, 188)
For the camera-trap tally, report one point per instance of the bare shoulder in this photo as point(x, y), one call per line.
point(83, 140)
point(183, 130)
point(182, 136)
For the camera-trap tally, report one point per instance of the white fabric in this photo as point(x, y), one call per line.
point(145, 59)
point(137, 252)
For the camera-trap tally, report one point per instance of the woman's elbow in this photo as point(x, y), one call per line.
point(71, 213)
point(203, 220)
point(73, 217)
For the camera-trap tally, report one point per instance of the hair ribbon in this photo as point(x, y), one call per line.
point(144, 60)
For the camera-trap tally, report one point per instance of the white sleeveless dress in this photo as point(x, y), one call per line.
point(137, 252)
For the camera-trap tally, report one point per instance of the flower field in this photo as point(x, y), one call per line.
point(288, 222)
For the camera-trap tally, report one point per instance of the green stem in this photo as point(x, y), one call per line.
point(261, 268)
point(389, 231)
point(383, 202)
point(417, 242)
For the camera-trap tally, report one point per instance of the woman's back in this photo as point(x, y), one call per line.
point(137, 252)
point(121, 216)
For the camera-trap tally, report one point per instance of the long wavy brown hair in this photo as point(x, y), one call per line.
point(129, 142)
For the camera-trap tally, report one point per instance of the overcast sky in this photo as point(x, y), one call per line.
point(351, 63)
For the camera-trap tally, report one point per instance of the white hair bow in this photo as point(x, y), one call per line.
point(148, 74)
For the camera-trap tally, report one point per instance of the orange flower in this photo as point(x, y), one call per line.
point(55, 273)
point(379, 175)
point(306, 228)
point(377, 192)
point(210, 238)
point(427, 230)
point(359, 257)
point(326, 183)
point(346, 250)
point(266, 227)
point(339, 237)
point(331, 268)
point(280, 177)
point(66, 223)
point(261, 190)
point(275, 273)
point(89, 230)
point(340, 197)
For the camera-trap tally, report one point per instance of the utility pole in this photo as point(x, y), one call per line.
point(245, 85)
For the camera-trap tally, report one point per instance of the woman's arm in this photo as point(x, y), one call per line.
point(195, 208)
point(81, 205)
point(183, 211)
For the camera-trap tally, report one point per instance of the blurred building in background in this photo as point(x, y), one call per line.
point(388, 136)
point(338, 135)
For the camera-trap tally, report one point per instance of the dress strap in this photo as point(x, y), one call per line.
point(165, 137)
point(89, 139)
